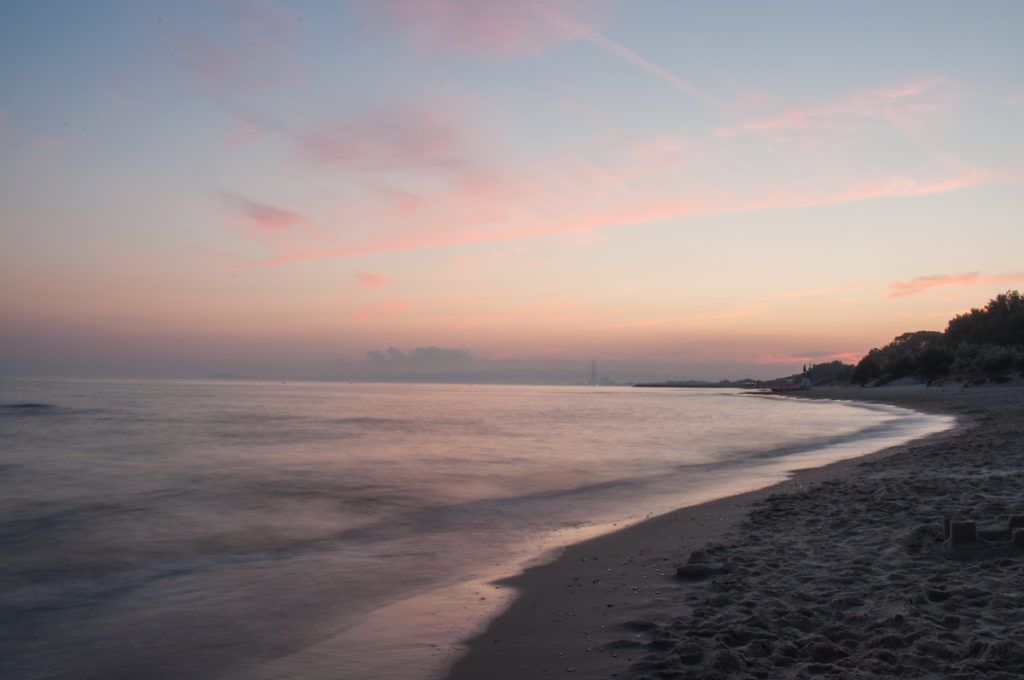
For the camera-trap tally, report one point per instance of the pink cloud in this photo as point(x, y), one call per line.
point(779, 358)
point(968, 179)
point(846, 357)
point(479, 210)
point(265, 217)
point(471, 27)
point(806, 358)
point(400, 203)
point(373, 280)
point(252, 49)
point(863, 191)
point(424, 177)
point(501, 27)
point(418, 138)
point(924, 283)
point(243, 131)
point(908, 107)
point(751, 101)
point(663, 153)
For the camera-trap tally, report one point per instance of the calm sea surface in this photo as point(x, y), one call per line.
point(170, 529)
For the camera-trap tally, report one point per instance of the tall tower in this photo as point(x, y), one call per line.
point(593, 371)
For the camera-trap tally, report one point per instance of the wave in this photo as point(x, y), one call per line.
point(27, 407)
point(865, 434)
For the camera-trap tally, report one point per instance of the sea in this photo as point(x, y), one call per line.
point(328, 530)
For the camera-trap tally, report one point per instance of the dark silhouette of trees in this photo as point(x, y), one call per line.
point(919, 354)
point(828, 373)
point(986, 343)
point(1000, 322)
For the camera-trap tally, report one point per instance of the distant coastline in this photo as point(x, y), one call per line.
point(698, 384)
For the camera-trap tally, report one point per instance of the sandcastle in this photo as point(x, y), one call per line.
point(962, 533)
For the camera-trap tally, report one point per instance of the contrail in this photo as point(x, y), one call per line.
point(614, 48)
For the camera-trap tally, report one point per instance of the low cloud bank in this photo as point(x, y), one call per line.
point(392, 361)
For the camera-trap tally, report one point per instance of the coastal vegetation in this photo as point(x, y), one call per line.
point(983, 344)
point(830, 373)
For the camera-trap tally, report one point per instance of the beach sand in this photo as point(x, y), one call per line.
point(839, 572)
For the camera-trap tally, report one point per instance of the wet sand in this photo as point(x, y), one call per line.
point(839, 572)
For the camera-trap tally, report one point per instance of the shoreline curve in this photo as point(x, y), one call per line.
point(572, 615)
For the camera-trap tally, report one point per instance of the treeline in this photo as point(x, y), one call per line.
point(983, 344)
point(829, 373)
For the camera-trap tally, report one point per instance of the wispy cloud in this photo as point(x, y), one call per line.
point(482, 28)
point(907, 106)
point(465, 215)
point(424, 177)
point(901, 187)
point(924, 283)
point(502, 28)
point(263, 216)
point(805, 357)
point(386, 139)
point(243, 131)
point(779, 358)
point(216, 255)
point(372, 280)
point(251, 51)
point(846, 357)
point(751, 101)
point(615, 49)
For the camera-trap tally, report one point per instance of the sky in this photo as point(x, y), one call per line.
point(275, 188)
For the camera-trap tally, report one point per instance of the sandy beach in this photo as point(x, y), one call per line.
point(841, 571)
